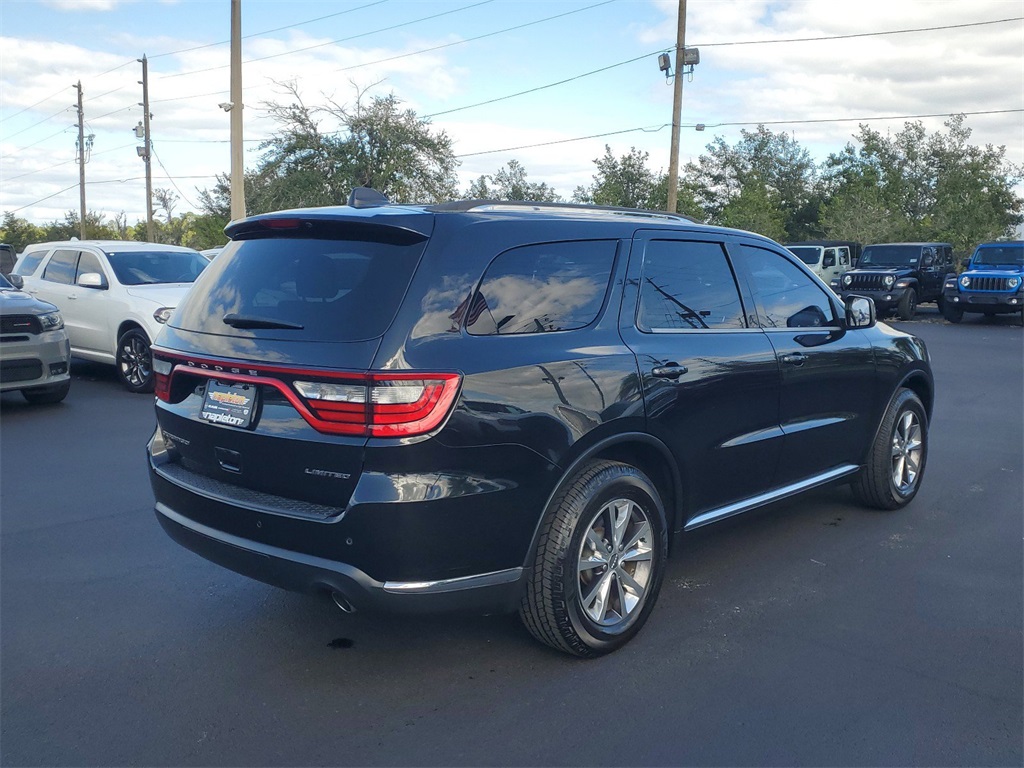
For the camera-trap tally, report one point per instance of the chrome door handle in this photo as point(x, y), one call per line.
point(670, 371)
point(797, 358)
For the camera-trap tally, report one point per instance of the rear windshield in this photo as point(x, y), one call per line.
point(1000, 255)
point(154, 267)
point(806, 254)
point(301, 288)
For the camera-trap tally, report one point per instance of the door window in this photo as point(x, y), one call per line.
point(844, 257)
point(88, 262)
point(61, 267)
point(688, 285)
point(785, 296)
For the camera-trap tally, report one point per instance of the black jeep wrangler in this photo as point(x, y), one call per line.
point(899, 276)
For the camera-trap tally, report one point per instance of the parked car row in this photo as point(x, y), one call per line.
point(114, 296)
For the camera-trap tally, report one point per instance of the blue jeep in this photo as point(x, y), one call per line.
point(993, 283)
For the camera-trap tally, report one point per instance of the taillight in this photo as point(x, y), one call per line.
point(400, 404)
point(383, 404)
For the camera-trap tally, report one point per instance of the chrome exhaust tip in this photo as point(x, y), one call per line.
point(342, 602)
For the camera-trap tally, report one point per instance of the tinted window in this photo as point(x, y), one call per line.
point(540, 288)
point(61, 267)
point(152, 267)
point(88, 262)
point(328, 290)
point(688, 285)
point(785, 296)
point(806, 254)
point(1009, 255)
point(29, 261)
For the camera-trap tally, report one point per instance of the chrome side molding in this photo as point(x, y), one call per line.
point(492, 579)
point(778, 494)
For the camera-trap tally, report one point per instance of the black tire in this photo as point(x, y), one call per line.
point(908, 305)
point(51, 393)
point(135, 361)
point(568, 560)
point(893, 453)
point(953, 313)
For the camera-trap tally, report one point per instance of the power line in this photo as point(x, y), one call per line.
point(55, 114)
point(171, 178)
point(861, 34)
point(478, 37)
point(30, 106)
point(29, 146)
point(268, 31)
point(542, 87)
point(654, 129)
point(333, 42)
point(104, 181)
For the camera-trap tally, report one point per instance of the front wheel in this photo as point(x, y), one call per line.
point(952, 312)
point(892, 475)
point(908, 305)
point(599, 561)
point(134, 361)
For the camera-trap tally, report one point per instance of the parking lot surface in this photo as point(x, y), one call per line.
point(814, 633)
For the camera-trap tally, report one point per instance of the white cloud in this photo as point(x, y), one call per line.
point(82, 5)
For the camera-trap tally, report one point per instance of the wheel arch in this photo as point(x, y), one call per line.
point(639, 449)
point(922, 386)
point(128, 325)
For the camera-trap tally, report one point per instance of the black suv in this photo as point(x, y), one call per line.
point(499, 407)
point(899, 276)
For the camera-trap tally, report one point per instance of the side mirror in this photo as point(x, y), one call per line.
point(860, 312)
point(92, 280)
point(965, 263)
point(17, 281)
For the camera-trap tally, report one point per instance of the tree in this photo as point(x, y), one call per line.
point(755, 209)
point(317, 155)
point(166, 200)
point(773, 161)
point(625, 181)
point(916, 186)
point(510, 183)
point(96, 227)
point(18, 232)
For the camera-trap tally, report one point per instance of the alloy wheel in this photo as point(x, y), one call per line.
point(907, 446)
point(615, 564)
point(135, 361)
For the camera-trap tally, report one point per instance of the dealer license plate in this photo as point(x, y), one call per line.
point(231, 404)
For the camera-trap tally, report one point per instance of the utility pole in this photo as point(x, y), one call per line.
point(677, 110)
point(237, 157)
point(81, 161)
point(146, 150)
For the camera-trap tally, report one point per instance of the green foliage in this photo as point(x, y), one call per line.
point(771, 162)
point(510, 183)
point(916, 186)
point(18, 232)
point(625, 181)
point(755, 209)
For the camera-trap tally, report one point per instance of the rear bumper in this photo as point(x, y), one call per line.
point(496, 592)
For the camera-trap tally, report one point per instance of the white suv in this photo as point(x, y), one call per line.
point(114, 295)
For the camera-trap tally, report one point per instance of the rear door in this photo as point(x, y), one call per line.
point(828, 373)
point(710, 380)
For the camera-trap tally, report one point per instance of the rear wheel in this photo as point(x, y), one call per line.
point(134, 361)
point(908, 305)
point(52, 393)
point(892, 475)
point(599, 561)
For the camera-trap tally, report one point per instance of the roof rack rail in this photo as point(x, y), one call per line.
point(520, 205)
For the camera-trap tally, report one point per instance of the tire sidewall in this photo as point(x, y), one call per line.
point(615, 482)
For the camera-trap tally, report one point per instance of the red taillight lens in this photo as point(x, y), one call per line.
point(400, 404)
point(281, 223)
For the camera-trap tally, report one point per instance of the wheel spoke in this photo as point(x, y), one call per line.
point(642, 532)
point(637, 555)
point(621, 594)
point(596, 601)
point(620, 513)
point(897, 471)
point(597, 560)
point(631, 584)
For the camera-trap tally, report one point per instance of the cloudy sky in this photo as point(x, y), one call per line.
point(811, 68)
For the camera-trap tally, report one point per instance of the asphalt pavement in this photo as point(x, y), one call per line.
point(812, 633)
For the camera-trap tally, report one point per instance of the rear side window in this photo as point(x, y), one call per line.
point(542, 288)
point(29, 261)
point(61, 267)
point(688, 285)
point(301, 288)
